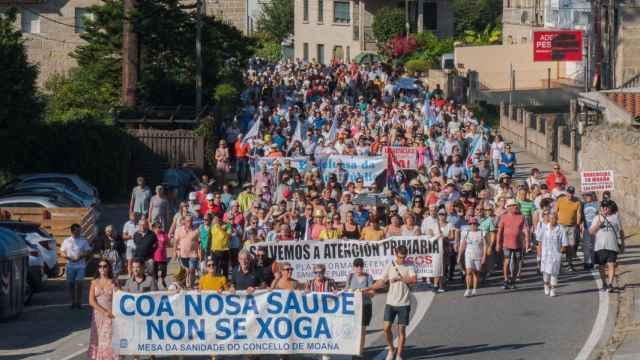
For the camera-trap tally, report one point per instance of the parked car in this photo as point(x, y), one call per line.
point(36, 278)
point(27, 200)
point(41, 239)
point(85, 199)
point(72, 181)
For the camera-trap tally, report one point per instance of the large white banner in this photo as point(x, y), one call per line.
point(210, 323)
point(367, 167)
point(425, 254)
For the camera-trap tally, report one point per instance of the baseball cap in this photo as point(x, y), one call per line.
point(571, 189)
point(209, 196)
point(511, 202)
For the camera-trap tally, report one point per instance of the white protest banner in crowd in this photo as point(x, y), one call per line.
point(211, 323)
point(299, 162)
point(367, 167)
point(425, 253)
point(406, 157)
point(600, 180)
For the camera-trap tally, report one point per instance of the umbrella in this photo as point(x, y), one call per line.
point(407, 83)
point(367, 58)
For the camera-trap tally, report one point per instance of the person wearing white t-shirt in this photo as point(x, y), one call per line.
point(75, 249)
point(400, 277)
point(128, 230)
point(609, 242)
point(497, 148)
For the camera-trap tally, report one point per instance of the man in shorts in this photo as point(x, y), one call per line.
point(569, 209)
point(400, 276)
point(186, 244)
point(512, 230)
point(75, 249)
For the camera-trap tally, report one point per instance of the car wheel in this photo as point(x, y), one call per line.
point(28, 293)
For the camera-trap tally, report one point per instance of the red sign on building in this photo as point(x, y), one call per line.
point(562, 45)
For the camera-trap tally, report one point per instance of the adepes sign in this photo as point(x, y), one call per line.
point(557, 45)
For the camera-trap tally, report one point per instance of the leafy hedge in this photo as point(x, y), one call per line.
point(98, 153)
point(417, 65)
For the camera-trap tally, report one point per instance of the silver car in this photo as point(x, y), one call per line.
point(72, 181)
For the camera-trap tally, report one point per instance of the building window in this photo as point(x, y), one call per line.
point(430, 16)
point(341, 12)
point(30, 22)
point(82, 15)
point(338, 53)
point(320, 56)
point(320, 10)
point(305, 52)
point(305, 10)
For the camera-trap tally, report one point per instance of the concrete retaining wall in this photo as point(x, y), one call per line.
point(617, 149)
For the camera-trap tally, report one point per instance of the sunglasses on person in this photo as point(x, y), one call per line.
point(103, 266)
point(287, 269)
point(210, 265)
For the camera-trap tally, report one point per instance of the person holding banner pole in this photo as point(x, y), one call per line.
point(321, 283)
point(359, 280)
point(400, 276)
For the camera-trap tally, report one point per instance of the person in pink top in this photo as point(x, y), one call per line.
point(160, 255)
point(512, 230)
point(186, 243)
point(317, 226)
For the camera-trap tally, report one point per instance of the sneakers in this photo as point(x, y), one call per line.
point(435, 289)
point(390, 354)
point(467, 293)
point(441, 290)
point(505, 285)
point(604, 287)
point(474, 292)
point(552, 293)
point(546, 289)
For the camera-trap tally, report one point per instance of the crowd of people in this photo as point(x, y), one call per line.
point(462, 190)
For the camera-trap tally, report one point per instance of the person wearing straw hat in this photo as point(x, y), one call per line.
point(512, 239)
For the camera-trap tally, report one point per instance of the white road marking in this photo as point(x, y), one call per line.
point(423, 303)
point(599, 324)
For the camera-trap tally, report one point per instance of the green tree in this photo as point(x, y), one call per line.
point(167, 69)
point(475, 15)
point(277, 19)
point(19, 100)
point(387, 23)
point(431, 48)
point(490, 35)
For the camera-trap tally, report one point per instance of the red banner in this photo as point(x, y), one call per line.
point(563, 45)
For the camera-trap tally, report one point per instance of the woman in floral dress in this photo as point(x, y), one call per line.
point(100, 297)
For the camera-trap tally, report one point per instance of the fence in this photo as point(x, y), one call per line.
point(548, 136)
point(156, 150)
point(57, 221)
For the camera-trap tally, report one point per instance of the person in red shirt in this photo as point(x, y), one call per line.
point(201, 197)
point(552, 182)
point(512, 230)
point(241, 151)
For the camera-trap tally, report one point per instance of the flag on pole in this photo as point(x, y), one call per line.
point(477, 144)
point(333, 132)
point(299, 134)
point(392, 165)
point(253, 132)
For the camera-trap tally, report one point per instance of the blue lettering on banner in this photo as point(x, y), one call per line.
point(165, 307)
point(123, 308)
point(274, 305)
point(265, 331)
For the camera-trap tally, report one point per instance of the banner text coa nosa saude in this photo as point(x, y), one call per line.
point(209, 323)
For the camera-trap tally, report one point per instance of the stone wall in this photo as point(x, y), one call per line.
point(617, 149)
point(233, 12)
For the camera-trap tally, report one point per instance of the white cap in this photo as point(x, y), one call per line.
point(192, 196)
point(209, 196)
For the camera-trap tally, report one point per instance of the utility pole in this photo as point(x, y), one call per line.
point(129, 57)
point(199, 11)
point(407, 25)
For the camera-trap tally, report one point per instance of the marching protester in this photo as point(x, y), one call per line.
point(244, 277)
point(400, 276)
point(569, 210)
point(609, 242)
point(472, 247)
point(553, 240)
point(75, 249)
point(360, 280)
point(128, 231)
point(186, 245)
point(212, 280)
point(100, 299)
point(512, 241)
